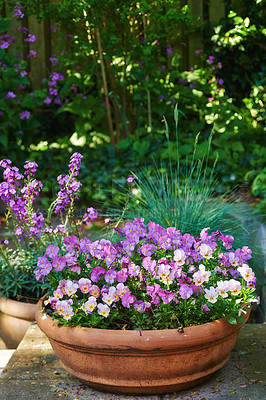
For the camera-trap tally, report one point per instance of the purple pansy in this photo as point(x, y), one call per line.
point(58, 263)
point(185, 291)
point(52, 251)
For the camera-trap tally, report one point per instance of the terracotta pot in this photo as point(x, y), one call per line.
point(15, 319)
point(125, 362)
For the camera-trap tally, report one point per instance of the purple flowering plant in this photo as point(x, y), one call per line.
point(19, 122)
point(31, 230)
point(148, 278)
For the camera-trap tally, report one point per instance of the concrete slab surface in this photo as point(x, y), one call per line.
point(34, 372)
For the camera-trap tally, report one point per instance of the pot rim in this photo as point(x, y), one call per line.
point(18, 309)
point(202, 335)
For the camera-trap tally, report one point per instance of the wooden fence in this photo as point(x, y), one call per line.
point(38, 67)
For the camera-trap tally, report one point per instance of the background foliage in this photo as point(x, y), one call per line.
point(117, 69)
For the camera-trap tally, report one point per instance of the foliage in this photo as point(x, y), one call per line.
point(142, 65)
point(129, 47)
point(15, 116)
point(150, 279)
point(17, 279)
point(239, 40)
point(258, 188)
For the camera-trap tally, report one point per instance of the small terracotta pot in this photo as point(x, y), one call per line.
point(15, 319)
point(125, 362)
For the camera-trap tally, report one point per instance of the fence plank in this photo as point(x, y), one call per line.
point(216, 10)
point(48, 43)
point(37, 65)
point(195, 39)
point(3, 11)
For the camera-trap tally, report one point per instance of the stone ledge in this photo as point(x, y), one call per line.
point(5, 356)
point(34, 372)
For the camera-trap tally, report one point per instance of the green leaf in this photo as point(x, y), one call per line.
point(66, 89)
point(4, 139)
point(185, 149)
point(28, 102)
point(10, 74)
point(197, 93)
point(124, 144)
point(241, 318)
point(176, 60)
point(141, 147)
point(4, 24)
point(238, 146)
point(232, 320)
point(232, 14)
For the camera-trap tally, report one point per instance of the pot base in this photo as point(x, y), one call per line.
point(141, 389)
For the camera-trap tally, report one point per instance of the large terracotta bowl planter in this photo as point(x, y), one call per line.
point(125, 362)
point(15, 319)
